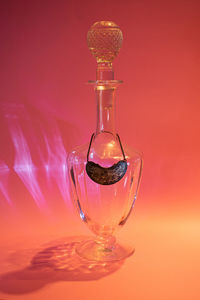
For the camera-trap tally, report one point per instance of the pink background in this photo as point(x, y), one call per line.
point(46, 109)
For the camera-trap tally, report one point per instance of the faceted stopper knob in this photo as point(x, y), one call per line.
point(104, 40)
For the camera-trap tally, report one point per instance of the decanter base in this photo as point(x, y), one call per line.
point(93, 251)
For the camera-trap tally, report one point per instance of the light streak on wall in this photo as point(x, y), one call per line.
point(4, 173)
point(23, 164)
point(39, 154)
point(55, 162)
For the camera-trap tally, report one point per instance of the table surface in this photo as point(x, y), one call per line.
point(43, 265)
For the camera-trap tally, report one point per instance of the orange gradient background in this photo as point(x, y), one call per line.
point(46, 109)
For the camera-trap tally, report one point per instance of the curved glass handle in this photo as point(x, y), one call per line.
point(88, 153)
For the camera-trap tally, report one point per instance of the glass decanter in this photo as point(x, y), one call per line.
point(104, 175)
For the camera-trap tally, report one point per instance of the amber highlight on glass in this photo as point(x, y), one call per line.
point(104, 204)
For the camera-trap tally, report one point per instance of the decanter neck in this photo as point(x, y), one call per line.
point(104, 71)
point(105, 96)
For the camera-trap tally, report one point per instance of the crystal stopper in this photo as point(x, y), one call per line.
point(104, 40)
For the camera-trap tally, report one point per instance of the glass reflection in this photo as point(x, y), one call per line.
point(39, 155)
point(4, 173)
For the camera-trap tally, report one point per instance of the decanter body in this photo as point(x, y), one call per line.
point(104, 175)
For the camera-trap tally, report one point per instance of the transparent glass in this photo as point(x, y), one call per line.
point(105, 206)
point(104, 175)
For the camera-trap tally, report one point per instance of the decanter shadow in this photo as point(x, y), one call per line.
point(57, 262)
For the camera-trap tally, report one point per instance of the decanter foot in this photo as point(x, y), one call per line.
point(94, 250)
